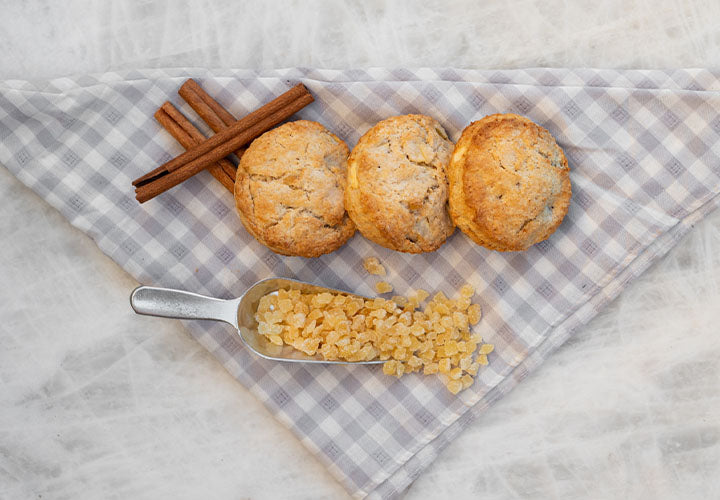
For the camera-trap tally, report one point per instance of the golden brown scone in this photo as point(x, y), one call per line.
point(509, 183)
point(289, 190)
point(397, 185)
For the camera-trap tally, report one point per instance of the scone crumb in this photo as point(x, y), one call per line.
point(434, 340)
point(383, 287)
point(373, 266)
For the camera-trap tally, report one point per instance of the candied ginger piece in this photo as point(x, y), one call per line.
point(467, 290)
point(339, 300)
point(414, 362)
point(421, 295)
point(269, 329)
point(460, 320)
point(474, 314)
point(454, 386)
point(440, 298)
point(486, 349)
point(444, 365)
point(389, 367)
point(399, 300)
point(451, 348)
point(462, 304)
point(373, 266)
point(383, 287)
point(285, 306)
point(430, 369)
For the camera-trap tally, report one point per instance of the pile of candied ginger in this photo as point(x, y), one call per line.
point(435, 338)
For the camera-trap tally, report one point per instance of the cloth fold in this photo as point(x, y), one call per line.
point(644, 153)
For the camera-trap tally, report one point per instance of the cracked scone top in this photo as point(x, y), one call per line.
point(397, 185)
point(289, 190)
point(509, 183)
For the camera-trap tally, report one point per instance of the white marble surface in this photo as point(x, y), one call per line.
point(98, 403)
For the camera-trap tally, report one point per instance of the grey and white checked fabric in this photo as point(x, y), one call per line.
point(644, 150)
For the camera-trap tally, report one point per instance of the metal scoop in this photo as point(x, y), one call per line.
point(240, 313)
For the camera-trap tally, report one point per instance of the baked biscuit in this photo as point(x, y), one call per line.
point(397, 185)
point(509, 183)
point(289, 190)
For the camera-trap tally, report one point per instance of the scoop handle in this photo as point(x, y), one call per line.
point(179, 304)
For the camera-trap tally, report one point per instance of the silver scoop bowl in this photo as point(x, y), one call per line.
point(239, 312)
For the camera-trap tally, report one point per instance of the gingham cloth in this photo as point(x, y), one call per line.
point(643, 148)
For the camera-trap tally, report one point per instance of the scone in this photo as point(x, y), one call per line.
point(397, 185)
point(509, 183)
point(289, 190)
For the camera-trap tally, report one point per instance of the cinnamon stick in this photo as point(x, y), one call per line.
point(231, 138)
point(198, 137)
point(222, 144)
point(212, 112)
point(188, 136)
point(208, 108)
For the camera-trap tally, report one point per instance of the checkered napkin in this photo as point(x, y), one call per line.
point(643, 147)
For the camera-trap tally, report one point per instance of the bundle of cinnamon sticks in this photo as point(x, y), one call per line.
point(231, 136)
